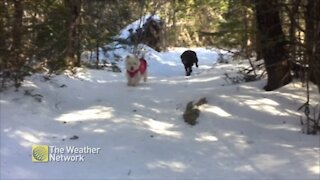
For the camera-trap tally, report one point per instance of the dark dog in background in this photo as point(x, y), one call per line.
point(188, 58)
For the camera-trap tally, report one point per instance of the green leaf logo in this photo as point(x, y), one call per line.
point(40, 153)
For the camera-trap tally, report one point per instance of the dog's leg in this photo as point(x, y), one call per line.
point(136, 79)
point(189, 70)
point(133, 82)
point(186, 69)
point(129, 82)
point(145, 77)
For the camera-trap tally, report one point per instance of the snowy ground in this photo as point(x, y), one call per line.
point(243, 132)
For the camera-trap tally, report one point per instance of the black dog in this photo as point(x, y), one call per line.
point(188, 58)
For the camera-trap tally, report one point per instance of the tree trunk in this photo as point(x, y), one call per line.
point(257, 41)
point(292, 13)
point(97, 55)
point(74, 7)
point(91, 55)
point(3, 45)
point(16, 49)
point(273, 44)
point(313, 40)
point(174, 17)
point(246, 35)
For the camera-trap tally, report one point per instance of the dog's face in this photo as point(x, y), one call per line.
point(132, 63)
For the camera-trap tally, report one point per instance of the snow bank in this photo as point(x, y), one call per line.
point(124, 33)
point(243, 132)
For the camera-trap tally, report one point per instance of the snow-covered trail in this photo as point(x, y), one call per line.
point(243, 132)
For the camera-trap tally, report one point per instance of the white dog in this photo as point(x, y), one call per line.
point(136, 69)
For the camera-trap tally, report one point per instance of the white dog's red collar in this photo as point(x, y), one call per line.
point(133, 73)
